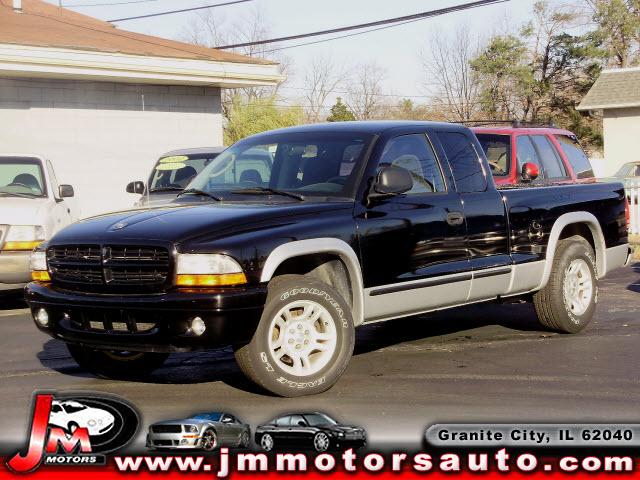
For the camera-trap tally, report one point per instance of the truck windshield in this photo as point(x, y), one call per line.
point(21, 177)
point(176, 171)
point(497, 149)
point(305, 164)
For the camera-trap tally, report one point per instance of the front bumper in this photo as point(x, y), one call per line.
point(151, 322)
point(173, 440)
point(14, 270)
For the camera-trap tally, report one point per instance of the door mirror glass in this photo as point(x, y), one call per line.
point(302, 423)
point(226, 420)
point(136, 187)
point(66, 191)
point(530, 172)
point(393, 180)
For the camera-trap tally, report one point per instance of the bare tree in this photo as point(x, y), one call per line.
point(321, 79)
point(210, 28)
point(365, 91)
point(447, 67)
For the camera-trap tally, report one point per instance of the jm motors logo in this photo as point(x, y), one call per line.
point(75, 430)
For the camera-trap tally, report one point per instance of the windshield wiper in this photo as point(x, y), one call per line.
point(20, 195)
point(268, 191)
point(166, 189)
point(196, 191)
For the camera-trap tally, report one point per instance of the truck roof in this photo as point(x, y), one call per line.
point(365, 126)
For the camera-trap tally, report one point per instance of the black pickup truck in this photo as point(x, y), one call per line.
point(347, 224)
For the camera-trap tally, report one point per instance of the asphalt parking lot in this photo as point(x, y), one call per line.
point(478, 364)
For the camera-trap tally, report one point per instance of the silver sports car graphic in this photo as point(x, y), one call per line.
point(205, 431)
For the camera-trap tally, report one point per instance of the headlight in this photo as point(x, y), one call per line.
point(191, 428)
point(38, 266)
point(208, 270)
point(23, 237)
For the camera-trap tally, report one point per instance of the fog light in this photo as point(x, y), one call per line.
point(197, 326)
point(42, 317)
point(184, 441)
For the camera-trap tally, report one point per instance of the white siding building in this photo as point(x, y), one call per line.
point(102, 104)
point(617, 94)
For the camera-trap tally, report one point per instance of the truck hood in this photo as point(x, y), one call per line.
point(178, 223)
point(22, 211)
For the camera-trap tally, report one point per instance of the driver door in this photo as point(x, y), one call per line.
point(413, 245)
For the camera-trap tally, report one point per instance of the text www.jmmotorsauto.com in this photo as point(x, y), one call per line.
point(501, 461)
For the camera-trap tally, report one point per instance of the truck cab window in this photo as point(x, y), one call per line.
point(414, 153)
point(464, 161)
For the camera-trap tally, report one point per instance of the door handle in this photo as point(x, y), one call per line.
point(455, 219)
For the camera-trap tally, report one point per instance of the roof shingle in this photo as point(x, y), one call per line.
point(614, 89)
point(45, 25)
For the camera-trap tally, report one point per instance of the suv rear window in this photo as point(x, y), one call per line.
point(576, 156)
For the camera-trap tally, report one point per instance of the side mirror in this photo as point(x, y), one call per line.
point(66, 191)
point(302, 423)
point(226, 420)
point(392, 180)
point(530, 172)
point(136, 187)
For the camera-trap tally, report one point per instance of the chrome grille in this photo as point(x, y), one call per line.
point(109, 266)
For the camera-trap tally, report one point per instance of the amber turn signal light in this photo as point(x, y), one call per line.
point(20, 246)
point(40, 276)
point(220, 280)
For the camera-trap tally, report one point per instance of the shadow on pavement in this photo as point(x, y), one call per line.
point(12, 301)
point(635, 286)
point(220, 366)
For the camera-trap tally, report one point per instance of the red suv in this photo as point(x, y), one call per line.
point(520, 154)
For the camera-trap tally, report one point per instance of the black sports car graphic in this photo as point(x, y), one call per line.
point(316, 431)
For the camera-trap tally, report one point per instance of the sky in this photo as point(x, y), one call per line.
point(397, 50)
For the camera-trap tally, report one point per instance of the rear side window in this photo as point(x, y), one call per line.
point(464, 161)
point(283, 421)
point(414, 153)
point(576, 156)
point(551, 162)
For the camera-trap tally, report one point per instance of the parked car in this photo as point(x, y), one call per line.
point(205, 431)
point(355, 222)
point(32, 208)
point(174, 171)
point(313, 431)
point(171, 174)
point(628, 171)
point(71, 415)
point(552, 155)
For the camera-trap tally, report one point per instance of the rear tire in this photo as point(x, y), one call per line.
point(111, 364)
point(568, 302)
point(304, 340)
point(266, 442)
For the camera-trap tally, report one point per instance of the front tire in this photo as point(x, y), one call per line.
point(321, 442)
point(568, 302)
point(304, 340)
point(111, 364)
point(244, 440)
point(209, 441)
point(266, 442)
